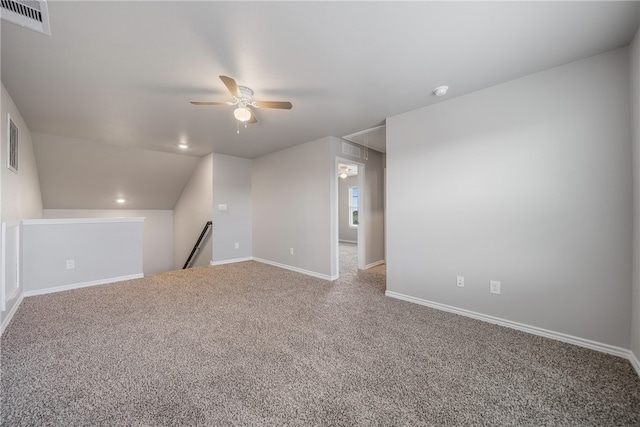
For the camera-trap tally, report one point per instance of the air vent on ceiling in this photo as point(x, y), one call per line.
point(31, 14)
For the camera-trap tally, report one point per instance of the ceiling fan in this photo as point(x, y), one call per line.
point(243, 99)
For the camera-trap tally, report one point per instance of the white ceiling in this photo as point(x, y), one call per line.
point(123, 73)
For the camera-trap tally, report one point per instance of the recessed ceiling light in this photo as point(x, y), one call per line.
point(120, 200)
point(183, 146)
point(441, 90)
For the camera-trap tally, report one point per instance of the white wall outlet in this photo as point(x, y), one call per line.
point(71, 264)
point(290, 251)
point(222, 207)
point(494, 287)
point(460, 281)
point(237, 245)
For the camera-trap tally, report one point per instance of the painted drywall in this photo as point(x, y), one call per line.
point(346, 233)
point(84, 174)
point(635, 114)
point(527, 183)
point(372, 198)
point(190, 214)
point(292, 208)
point(102, 250)
point(231, 208)
point(157, 241)
point(21, 198)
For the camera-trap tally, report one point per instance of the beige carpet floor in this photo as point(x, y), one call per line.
point(348, 258)
point(252, 344)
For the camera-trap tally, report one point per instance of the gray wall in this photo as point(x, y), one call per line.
point(635, 98)
point(292, 207)
point(21, 198)
point(191, 212)
point(158, 232)
point(527, 183)
point(231, 187)
point(103, 250)
point(346, 233)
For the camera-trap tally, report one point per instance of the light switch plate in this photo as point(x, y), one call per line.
point(494, 287)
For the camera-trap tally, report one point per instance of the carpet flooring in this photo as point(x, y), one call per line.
point(348, 258)
point(251, 344)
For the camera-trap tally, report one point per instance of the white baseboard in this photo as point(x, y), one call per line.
point(230, 261)
point(13, 310)
point(82, 285)
point(374, 264)
point(296, 269)
point(593, 345)
point(634, 362)
point(348, 241)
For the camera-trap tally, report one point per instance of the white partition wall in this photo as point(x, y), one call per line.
point(61, 254)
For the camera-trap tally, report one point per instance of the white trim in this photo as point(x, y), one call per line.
point(230, 261)
point(10, 314)
point(348, 241)
point(82, 285)
point(60, 221)
point(362, 132)
point(296, 269)
point(374, 264)
point(593, 345)
point(634, 362)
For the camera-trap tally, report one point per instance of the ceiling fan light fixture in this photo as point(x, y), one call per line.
point(343, 175)
point(242, 114)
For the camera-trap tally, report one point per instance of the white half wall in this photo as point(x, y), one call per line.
point(232, 216)
point(190, 214)
point(527, 183)
point(157, 241)
point(101, 250)
point(635, 114)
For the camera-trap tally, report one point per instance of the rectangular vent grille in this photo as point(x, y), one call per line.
point(350, 150)
point(32, 14)
point(22, 9)
point(12, 146)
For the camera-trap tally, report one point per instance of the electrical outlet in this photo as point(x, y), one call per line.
point(460, 281)
point(290, 251)
point(71, 264)
point(494, 287)
point(237, 245)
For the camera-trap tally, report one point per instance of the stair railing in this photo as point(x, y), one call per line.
point(196, 247)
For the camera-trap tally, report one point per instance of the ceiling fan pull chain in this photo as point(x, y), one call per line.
point(238, 127)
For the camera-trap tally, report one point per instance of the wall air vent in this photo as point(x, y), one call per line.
point(31, 14)
point(351, 150)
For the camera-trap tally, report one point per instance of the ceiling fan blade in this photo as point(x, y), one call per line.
point(211, 103)
point(283, 105)
point(231, 85)
point(253, 118)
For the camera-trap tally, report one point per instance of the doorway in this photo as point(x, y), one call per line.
point(350, 185)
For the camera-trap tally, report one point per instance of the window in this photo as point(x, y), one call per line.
point(12, 146)
point(353, 206)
